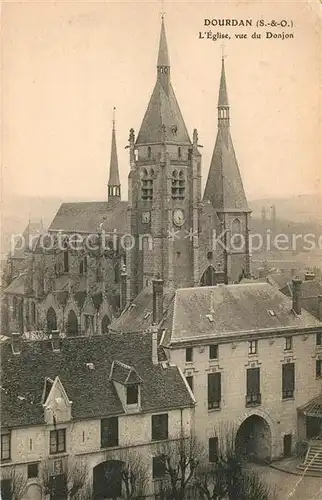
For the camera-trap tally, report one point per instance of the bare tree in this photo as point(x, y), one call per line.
point(228, 477)
point(134, 473)
point(181, 458)
point(13, 484)
point(73, 480)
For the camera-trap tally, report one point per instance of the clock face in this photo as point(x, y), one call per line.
point(178, 217)
point(145, 217)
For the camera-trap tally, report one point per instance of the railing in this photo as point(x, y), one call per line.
point(253, 399)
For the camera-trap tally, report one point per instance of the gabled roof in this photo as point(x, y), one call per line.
point(163, 109)
point(124, 374)
point(229, 310)
point(138, 316)
point(224, 187)
point(17, 286)
point(91, 217)
point(91, 390)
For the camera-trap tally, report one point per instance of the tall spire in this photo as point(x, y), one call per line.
point(114, 185)
point(163, 55)
point(223, 105)
point(224, 186)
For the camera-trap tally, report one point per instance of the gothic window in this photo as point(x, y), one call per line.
point(178, 185)
point(179, 152)
point(149, 152)
point(33, 313)
point(105, 323)
point(14, 307)
point(236, 234)
point(209, 277)
point(147, 184)
point(51, 320)
point(83, 266)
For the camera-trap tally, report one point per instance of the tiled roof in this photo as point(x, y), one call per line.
point(138, 316)
point(91, 391)
point(90, 217)
point(312, 408)
point(226, 310)
point(17, 286)
point(309, 289)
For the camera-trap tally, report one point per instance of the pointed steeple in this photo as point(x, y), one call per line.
point(223, 96)
point(163, 55)
point(224, 187)
point(114, 185)
point(163, 109)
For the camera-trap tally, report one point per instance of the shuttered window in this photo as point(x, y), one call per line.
point(288, 380)
point(253, 395)
point(214, 390)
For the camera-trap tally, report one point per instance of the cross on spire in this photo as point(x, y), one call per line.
point(113, 121)
point(162, 10)
point(223, 53)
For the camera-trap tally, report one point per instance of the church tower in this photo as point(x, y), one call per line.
point(224, 190)
point(114, 185)
point(164, 190)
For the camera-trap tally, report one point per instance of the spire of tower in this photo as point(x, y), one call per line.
point(224, 186)
point(163, 109)
point(114, 185)
point(223, 95)
point(163, 54)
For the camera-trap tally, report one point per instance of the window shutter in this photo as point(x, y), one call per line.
point(253, 380)
point(288, 377)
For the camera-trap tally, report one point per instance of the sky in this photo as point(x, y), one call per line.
point(65, 65)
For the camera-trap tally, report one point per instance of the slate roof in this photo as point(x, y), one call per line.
point(228, 310)
point(138, 316)
point(90, 217)
point(309, 289)
point(224, 186)
point(163, 108)
point(223, 95)
point(91, 391)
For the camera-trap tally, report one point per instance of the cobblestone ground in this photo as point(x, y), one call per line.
point(290, 486)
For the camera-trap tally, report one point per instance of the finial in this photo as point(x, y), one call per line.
point(162, 10)
point(114, 109)
point(223, 54)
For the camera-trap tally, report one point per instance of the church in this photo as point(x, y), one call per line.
point(172, 224)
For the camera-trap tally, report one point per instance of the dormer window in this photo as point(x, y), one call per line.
point(127, 382)
point(132, 395)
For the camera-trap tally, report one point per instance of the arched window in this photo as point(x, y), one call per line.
point(178, 185)
point(147, 184)
point(149, 152)
point(179, 152)
point(33, 313)
point(237, 239)
point(51, 320)
point(105, 323)
point(72, 324)
point(209, 277)
point(66, 261)
point(14, 307)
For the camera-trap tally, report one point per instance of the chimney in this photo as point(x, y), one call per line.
point(297, 295)
point(16, 343)
point(320, 307)
point(157, 300)
point(309, 276)
point(123, 290)
point(55, 340)
point(155, 359)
